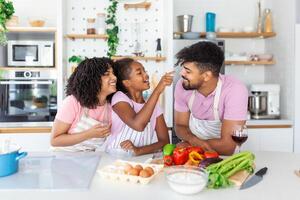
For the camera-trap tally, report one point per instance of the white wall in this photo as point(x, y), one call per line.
point(26, 9)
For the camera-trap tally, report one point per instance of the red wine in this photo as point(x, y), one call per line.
point(239, 139)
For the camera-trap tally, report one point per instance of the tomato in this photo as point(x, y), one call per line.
point(197, 149)
point(180, 156)
point(211, 154)
point(168, 160)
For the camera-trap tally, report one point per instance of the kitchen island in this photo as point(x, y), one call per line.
point(280, 183)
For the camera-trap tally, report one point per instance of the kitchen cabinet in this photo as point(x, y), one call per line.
point(269, 139)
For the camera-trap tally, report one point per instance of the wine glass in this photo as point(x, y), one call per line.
point(239, 136)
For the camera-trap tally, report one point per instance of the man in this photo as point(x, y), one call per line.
point(208, 105)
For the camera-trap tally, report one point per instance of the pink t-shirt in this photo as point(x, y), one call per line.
point(118, 124)
point(232, 105)
point(70, 112)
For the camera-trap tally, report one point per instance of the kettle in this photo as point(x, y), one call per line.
point(257, 103)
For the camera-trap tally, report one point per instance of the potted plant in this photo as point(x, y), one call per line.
point(6, 12)
point(75, 60)
point(113, 29)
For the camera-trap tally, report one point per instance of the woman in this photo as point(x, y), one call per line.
point(138, 126)
point(78, 121)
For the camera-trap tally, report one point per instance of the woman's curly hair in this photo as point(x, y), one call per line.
point(207, 55)
point(85, 82)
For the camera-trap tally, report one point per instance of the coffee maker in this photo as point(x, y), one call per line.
point(264, 101)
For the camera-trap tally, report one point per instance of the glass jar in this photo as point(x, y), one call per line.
point(268, 21)
point(101, 25)
point(91, 26)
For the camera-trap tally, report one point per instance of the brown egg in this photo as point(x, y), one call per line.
point(150, 170)
point(133, 172)
point(127, 168)
point(144, 173)
point(139, 168)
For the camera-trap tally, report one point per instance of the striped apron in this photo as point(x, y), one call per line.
point(85, 123)
point(206, 129)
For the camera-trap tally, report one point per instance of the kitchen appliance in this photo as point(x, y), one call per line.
point(185, 23)
point(28, 96)
point(9, 159)
point(256, 178)
point(26, 53)
point(264, 101)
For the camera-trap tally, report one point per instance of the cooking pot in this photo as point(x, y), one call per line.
point(258, 102)
point(9, 160)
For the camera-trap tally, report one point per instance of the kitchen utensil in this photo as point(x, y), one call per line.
point(256, 178)
point(258, 102)
point(186, 179)
point(9, 160)
point(210, 22)
point(191, 35)
point(185, 23)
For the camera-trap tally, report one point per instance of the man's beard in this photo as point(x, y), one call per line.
point(187, 86)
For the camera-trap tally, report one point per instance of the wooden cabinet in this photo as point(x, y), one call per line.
point(269, 139)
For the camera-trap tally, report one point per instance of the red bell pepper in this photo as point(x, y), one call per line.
point(211, 154)
point(195, 148)
point(180, 156)
point(168, 160)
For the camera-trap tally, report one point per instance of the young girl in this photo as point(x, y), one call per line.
point(77, 125)
point(137, 126)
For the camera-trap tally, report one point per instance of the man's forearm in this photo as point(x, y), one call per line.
point(184, 133)
point(223, 147)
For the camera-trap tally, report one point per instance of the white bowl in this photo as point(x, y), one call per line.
point(248, 29)
point(190, 35)
point(186, 179)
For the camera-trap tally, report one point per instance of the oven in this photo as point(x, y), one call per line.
point(28, 96)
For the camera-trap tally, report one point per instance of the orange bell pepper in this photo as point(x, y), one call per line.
point(195, 157)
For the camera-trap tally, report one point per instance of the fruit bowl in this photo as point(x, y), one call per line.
point(36, 22)
point(186, 179)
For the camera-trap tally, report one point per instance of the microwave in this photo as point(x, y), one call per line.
point(25, 53)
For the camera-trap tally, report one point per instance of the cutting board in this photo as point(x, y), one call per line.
point(239, 178)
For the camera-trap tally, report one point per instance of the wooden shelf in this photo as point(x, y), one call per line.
point(26, 68)
point(32, 29)
point(146, 5)
point(250, 62)
point(86, 36)
point(238, 35)
point(146, 58)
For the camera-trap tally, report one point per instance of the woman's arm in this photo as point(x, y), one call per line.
point(162, 136)
point(138, 121)
point(61, 137)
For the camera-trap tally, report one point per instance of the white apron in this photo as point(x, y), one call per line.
point(85, 123)
point(138, 138)
point(207, 129)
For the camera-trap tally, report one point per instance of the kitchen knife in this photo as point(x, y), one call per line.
point(256, 178)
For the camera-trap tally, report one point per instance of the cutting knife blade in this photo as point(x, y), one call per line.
point(256, 178)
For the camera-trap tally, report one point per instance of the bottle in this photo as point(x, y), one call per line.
point(268, 21)
point(91, 26)
point(158, 47)
point(101, 25)
point(259, 20)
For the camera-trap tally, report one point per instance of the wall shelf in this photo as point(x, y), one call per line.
point(145, 58)
point(86, 36)
point(238, 35)
point(250, 62)
point(32, 29)
point(26, 68)
point(146, 5)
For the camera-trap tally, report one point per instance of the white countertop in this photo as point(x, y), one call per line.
point(280, 183)
point(270, 122)
point(25, 124)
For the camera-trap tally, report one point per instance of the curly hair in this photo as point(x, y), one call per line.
point(85, 82)
point(122, 71)
point(207, 55)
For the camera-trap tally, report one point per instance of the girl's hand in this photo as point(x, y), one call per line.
point(99, 131)
point(128, 145)
point(166, 80)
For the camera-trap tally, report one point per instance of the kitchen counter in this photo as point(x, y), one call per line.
point(275, 123)
point(280, 183)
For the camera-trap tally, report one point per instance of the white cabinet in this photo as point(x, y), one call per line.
point(29, 141)
point(269, 139)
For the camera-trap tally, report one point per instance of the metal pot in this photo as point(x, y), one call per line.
point(185, 23)
point(257, 103)
point(9, 161)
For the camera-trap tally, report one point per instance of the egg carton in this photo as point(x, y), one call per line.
point(116, 172)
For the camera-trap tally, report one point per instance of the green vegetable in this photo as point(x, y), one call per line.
point(168, 149)
point(220, 172)
point(113, 29)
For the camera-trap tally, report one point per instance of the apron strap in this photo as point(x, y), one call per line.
point(217, 100)
point(191, 100)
